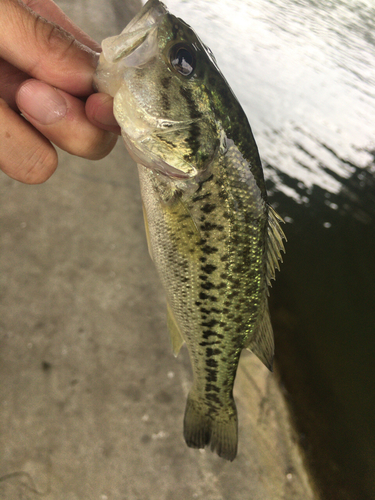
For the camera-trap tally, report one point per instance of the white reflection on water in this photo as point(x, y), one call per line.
point(304, 73)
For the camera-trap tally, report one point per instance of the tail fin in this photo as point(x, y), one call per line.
point(202, 427)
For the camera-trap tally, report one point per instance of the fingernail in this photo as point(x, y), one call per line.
point(41, 102)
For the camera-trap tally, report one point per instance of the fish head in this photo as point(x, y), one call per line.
point(161, 77)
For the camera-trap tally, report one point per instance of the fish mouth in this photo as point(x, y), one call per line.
point(135, 48)
point(137, 43)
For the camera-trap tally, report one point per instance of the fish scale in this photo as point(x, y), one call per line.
point(213, 237)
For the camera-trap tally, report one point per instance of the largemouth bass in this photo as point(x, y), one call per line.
point(212, 235)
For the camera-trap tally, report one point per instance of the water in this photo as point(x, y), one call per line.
point(304, 73)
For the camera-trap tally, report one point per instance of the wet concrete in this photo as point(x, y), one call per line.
point(92, 399)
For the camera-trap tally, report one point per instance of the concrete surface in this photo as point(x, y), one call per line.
point(91, 397)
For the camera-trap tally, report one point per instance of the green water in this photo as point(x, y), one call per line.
point(323, 313)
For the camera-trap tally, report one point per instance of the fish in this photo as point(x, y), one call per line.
point(212, 235)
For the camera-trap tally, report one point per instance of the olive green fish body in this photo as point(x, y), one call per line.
point(213, 237)
point(209, 249)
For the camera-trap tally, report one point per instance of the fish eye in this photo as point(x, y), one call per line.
point(182, 58)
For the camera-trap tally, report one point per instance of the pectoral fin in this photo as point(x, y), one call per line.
point(174, 332)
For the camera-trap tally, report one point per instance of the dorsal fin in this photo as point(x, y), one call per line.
point(174, 332)
point(262, 342)
point(274, 244)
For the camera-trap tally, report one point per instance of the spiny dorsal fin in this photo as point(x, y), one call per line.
point(274, 244)
point(262, 342)
point(174, 332)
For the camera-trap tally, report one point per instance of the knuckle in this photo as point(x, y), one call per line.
point(50, 37)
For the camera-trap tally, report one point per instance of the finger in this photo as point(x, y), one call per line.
point(44, 50)
point(10, 79)
point(99, 110)
point(62, 119)
point(25, 155)
point(50, 11)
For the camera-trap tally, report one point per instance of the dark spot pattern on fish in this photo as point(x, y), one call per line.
point(208, 268)
point(215, 311)
point(205, 311)
point(208, 285)
point(175, 31)
point(212, 298)
point(207, 249)
point(166, 81)
point(211, 396)
point(201, 197)
point(212, 352)
point(208, 333)
point(193, 139)
point(223, 195)
point(166, 103)
point(203, 184)
point(226, 382)
point(208, 226)
point(210, 323)
point(183, 217)
point(212, 387)
point(208, 208)
point(187, 94)
point(211, 375)
point(234, 281)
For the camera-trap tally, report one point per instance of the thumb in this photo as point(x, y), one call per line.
point(44, 50)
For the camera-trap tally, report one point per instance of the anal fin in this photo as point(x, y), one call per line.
point(174, 332)
point(262, 343)
point(147, 231)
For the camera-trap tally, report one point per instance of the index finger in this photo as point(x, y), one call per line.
point(44, 50)
point(50, 11)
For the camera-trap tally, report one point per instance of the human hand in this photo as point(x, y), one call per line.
point(46, 70)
